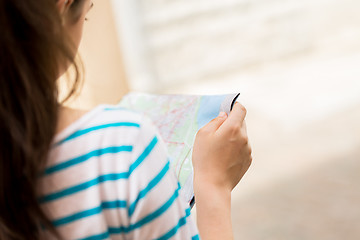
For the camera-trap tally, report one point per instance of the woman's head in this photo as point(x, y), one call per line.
point(38, 41)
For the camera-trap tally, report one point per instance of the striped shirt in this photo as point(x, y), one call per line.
point(108, 177)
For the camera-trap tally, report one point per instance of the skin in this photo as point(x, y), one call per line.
point(221, 154)
point(75, 29)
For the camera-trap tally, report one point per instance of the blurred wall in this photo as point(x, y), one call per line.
point(188, 41)
point(105, 80)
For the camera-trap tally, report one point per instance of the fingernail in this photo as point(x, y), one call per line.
point(222, 114)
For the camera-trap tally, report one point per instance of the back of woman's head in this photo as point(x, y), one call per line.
point(33, 47)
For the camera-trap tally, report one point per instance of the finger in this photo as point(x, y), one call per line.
point(238, 112)
point(214, 124)
point(236, 117)
point(244, 128)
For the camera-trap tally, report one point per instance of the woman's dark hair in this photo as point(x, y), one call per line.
point(33, 46)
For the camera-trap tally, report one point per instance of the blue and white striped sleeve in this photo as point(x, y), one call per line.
point(156, 208)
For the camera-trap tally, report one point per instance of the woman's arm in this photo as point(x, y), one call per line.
point(221, 157)
point(213, 207)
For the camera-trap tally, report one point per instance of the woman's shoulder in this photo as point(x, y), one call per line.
point(107, 120)
point(71, 116)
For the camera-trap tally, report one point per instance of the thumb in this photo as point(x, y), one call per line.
point(214, 124)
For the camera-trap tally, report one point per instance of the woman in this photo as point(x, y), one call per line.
point(67, 174)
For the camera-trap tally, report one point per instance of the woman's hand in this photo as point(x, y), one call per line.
point(221, 156)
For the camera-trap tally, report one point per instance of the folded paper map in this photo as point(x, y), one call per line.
point(178, 118)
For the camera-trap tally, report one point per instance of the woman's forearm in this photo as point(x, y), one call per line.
point(213, 208)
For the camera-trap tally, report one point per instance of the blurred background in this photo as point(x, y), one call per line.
point(296, 64)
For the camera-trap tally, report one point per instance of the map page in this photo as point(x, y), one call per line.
point(178, 118)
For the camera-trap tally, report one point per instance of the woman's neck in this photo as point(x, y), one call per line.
point(67, 116)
